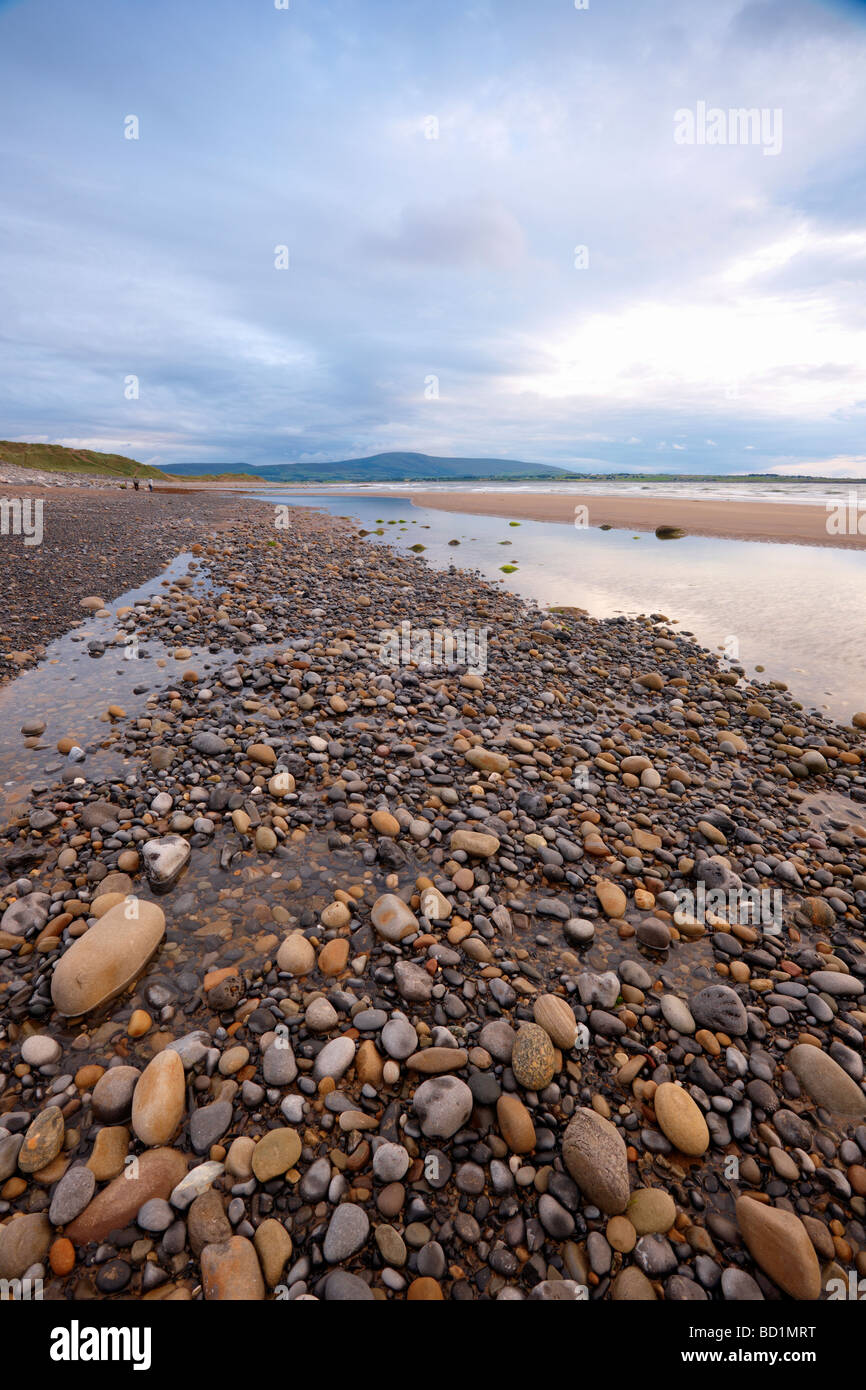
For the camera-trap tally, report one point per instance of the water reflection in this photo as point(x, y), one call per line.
point(798, 611)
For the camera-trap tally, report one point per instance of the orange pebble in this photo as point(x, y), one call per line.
point(61, 1256)
point(425, 1290)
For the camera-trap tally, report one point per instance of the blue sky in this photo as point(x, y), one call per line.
point(432, 170)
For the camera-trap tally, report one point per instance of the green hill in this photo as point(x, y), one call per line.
point(54, 458)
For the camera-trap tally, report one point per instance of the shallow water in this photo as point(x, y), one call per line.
point(798, 611)
point(70, 690)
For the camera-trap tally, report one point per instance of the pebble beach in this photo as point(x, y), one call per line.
point(332, 974)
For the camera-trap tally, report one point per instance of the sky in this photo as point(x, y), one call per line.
point(510, 229)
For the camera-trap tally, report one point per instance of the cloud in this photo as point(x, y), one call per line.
point(852, 466)
point(721, 306)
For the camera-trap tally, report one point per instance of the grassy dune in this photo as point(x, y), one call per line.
point(55, 458)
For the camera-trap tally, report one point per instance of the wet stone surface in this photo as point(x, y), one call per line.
point(369, 922)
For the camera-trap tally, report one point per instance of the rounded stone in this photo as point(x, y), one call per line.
point(595, 1155)
point(43, 1140)
point(721, 1010)
point(825, 1081)
point(159, 1099)
point(335, 1059)
point(515, 1124)
point(24, 1242)
point(556, 1016)
point(230, 1271)
point(274, 1248)
point(399, 1038)
point(347, 1232)
point(632, 1286)
point(334, 956)
point(297, 955)
point(443, 1105)
point(71, 1195)
point(155, 1174)
point(39, 1050)
point(275, 1153)
point(390, 1162)
point(779, 1242)
point(101, 963)
point(113, 1092)
point(392, 918)
point(533, 1061)
point(651, 1211)
point(680, 1119)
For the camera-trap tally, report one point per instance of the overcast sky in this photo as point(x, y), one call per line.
point(431, 170)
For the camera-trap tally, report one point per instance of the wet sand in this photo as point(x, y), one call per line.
point(794, 524)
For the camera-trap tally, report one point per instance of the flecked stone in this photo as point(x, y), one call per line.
point(274, 1249)
point(390, 1162)
point(533, 1061)
point(40, 1050)
point(43, 1140)
point(110, 1149)
point(279, 1066)
point(24, 1242)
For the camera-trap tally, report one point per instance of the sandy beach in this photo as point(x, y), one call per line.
point(799, 524)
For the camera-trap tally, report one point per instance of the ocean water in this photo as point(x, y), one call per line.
point(730, 490)
point(798, 611)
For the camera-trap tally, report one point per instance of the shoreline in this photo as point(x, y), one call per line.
point(761, 522)
point(799, 524)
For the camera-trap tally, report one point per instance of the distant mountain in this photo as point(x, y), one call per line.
point(378, 468)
